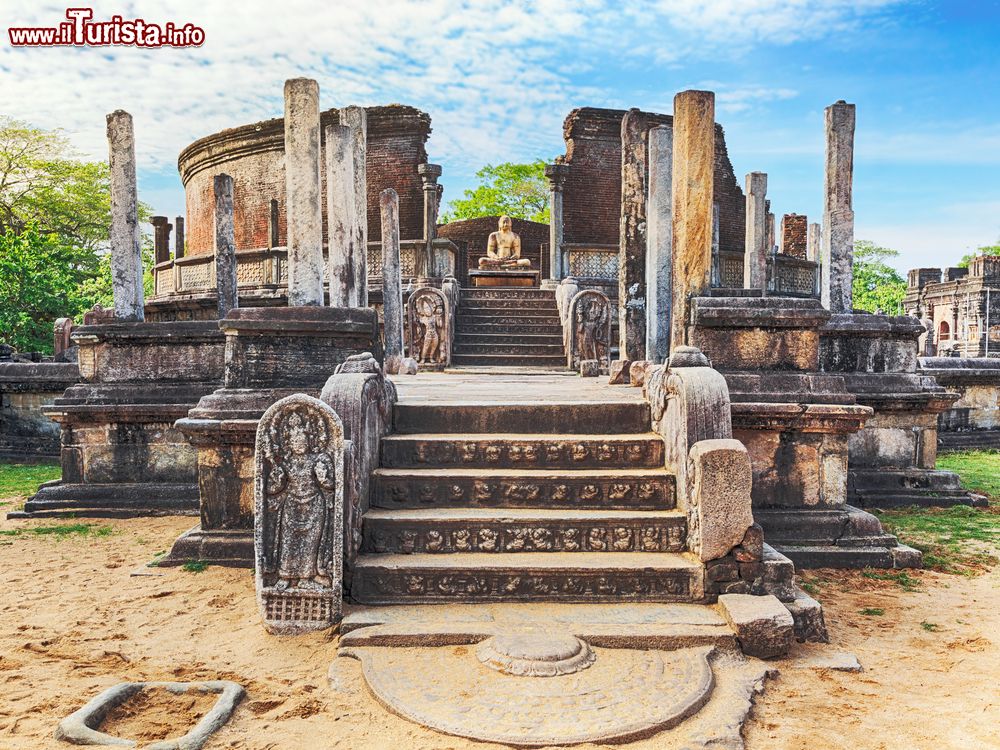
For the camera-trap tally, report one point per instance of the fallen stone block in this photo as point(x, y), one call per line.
point(763, 626)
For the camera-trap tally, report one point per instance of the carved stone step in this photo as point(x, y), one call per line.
point(526, 340)
point(534, 576)
point(456, 530)
point(499, 348)
point(112, 500)
point(474, 293)
point(488, 305)
point(549, 329)
point(603, 418)
point(626, 489)
point(507, 360)
point(523, 451)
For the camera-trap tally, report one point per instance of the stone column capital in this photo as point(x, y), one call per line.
point(556, 175)
point(429, 173)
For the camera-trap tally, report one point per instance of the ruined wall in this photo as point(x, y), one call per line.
point(472, 235)
point(25, 389)
point(592, 193)
point(794, 228)
point(253, 155)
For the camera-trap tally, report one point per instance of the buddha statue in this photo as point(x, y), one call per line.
point(503, 250)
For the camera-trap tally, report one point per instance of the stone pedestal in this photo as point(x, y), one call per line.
point(504, 278)
point(121, 455)
point(796, 423)
point(25, 389)
point(973, 421)
point(270, 353)
point(892, 459)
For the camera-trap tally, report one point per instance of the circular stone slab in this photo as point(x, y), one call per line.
point(535, 654)
point(624, 695)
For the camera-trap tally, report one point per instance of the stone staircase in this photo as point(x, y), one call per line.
point(529, 501)
point(508, 327)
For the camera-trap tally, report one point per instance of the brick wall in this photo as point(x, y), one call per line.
point(794, 228)
point(253, 155)
point(471, 236)
point(592, 192)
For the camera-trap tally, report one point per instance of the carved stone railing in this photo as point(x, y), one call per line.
point(592, 262)
point(728, 270)
point(792, 277)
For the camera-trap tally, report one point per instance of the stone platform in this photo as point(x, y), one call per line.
point(483, 278)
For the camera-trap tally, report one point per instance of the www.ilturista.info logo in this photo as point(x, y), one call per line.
point(81, 31)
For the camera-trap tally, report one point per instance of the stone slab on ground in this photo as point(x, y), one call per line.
point(763, 626)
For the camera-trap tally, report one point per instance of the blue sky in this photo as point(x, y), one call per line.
point(498, 78)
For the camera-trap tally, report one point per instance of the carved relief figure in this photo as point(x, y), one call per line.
point(427, 310)
point(503, 249)
point(590, 336)
point(299, 514)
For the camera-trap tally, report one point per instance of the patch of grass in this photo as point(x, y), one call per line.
point(155, 562)
point(809, 588)
point(930, 627)
point(20, 480)
point(872, 611)
point(194, 566)
point(960, 540)
point(904, 579)
point(62, 530)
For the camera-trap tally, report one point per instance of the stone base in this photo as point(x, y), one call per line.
point(968, 440)
point(504, 278)
point(60, 499)
point(233, 549)
point(886, 488)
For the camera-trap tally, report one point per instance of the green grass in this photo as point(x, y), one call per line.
point(194, 566)
point(960, 539)
point(872, 612)
point(21, 480)
point(930, 627)
point(904, 579)
point(61, 530)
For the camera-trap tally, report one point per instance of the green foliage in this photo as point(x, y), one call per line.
point(930, 627)
point(61, 531)
point(20, 480)
point(195, 566)
point(872, 611)
point(904, 579)
point(517, 190)
point(877, 285)
point(984, 250)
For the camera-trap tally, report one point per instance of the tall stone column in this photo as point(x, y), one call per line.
point(659, 242)
point(837, 247)
point(303, 194)
point(813, 243)
point(225, 245)
point(756, 249)
point(179, 238)
point(632, 240)
point(272, 224)
point(356, 119)
point(161, 239)
point(340, 215)
point(392, 281)
point(771, 242)
point(693, 185)
point(556, 175)
point(429, 174)
point(126, 252)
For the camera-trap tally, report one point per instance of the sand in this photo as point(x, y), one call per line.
point(73, 621)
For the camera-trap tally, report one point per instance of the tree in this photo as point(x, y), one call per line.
point(984, 250)
point(43, 181)
point(517, 190)
point(877, 285)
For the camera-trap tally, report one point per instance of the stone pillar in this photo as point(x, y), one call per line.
point(813, 242)
point(837, 248)
point(179, 238)
point(225, 245)
point(556, 175)
point(756, 249)
point(161, 239)
point(356, 119)
point(126, 252)
point(793, 235)
point(771, 242)
point(272, 224)
point(693, 160)
point(340, 215)
point(632, 240)
point(392, 281)
point(659, 242)
point(303, 196)
point(429, 174)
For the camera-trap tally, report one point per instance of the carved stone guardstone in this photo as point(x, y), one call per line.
point(429, 315)
point(299, 515)
point(589, 330)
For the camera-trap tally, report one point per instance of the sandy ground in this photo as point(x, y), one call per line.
point(75, 621)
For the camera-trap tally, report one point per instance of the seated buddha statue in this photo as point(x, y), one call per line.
point(503, 250)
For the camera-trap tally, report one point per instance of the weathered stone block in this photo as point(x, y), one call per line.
point(807, 613)
point(763, 626)
point(719, 480)
point(590, 368)
point(619, 372)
